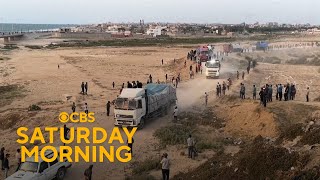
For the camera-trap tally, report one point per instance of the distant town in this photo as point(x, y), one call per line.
point(142, 29)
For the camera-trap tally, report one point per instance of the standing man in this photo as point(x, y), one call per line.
point(280, 91)
point(73, 107)
point(86, 87)
point(86, 108)
point(150, 78)
point(162, 61)
point(130, 145)
point(307, 94)
point(242, 75)
point(18, 157)
point(6, 165)
point(206, 98)
point(254, 92)
point(113, 85)
point(190, 143)
point(82, 88)
point(165, 166)
point(270, 92)
point(108, 108)
point(166, 78)
point(175, 114)
point(2, 157)
point(88, 173)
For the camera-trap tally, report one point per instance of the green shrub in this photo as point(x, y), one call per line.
point(34, 107)
point(146, 165)
point(173, 135)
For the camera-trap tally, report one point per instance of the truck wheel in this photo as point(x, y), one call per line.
point(141, 125)
point(61, 173)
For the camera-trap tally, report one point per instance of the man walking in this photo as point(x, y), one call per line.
point(190, 143)
point(88, 173)
point(165, 166)
point(108, 108)
point(6, 165)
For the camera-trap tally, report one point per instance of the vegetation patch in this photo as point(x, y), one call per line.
point(9, 92)
point(173, 135)
point(145, 166)
point(34, 47)
point(34, 107)
point(250, 163)
point(312, 136)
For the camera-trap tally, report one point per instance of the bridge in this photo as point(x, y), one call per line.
point(12, 36)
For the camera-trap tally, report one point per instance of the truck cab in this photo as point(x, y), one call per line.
point(130, 107)
point(212, 68)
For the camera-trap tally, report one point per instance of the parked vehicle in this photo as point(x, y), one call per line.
point(31, 170)
point(135, 106)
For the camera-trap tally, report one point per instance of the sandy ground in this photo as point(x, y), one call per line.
point(45, 84)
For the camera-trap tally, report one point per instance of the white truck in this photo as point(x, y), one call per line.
point(31, 170)
point(136, 105)
point(213, 68)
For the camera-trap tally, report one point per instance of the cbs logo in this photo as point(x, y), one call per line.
point(76, 117)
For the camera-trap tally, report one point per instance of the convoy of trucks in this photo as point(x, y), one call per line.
point(134, 106)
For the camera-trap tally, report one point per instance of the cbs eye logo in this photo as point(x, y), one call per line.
point(76, 117)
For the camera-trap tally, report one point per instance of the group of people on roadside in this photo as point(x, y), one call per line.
point(4, 158)
point(84, 88)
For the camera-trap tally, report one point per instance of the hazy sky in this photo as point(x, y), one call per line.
point(200, 11)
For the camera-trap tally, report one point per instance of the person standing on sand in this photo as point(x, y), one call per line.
point(86, 108)
point(130, 145)
point(242, 75)
point(165, 166)
point(307, 94)
point(73, 108)
point(88, 173)
point(190, 143)
point(6, 165)
point(108, 108)
point(58, 66)
point(206, 98)
point(82, 88)
point(175, 114)
point(2, 157)
point(18, 157)
point(86, 87)
point(113, 85)
point(150, 78)
point(166, 78)
point(254, 92)
point(162, 61)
